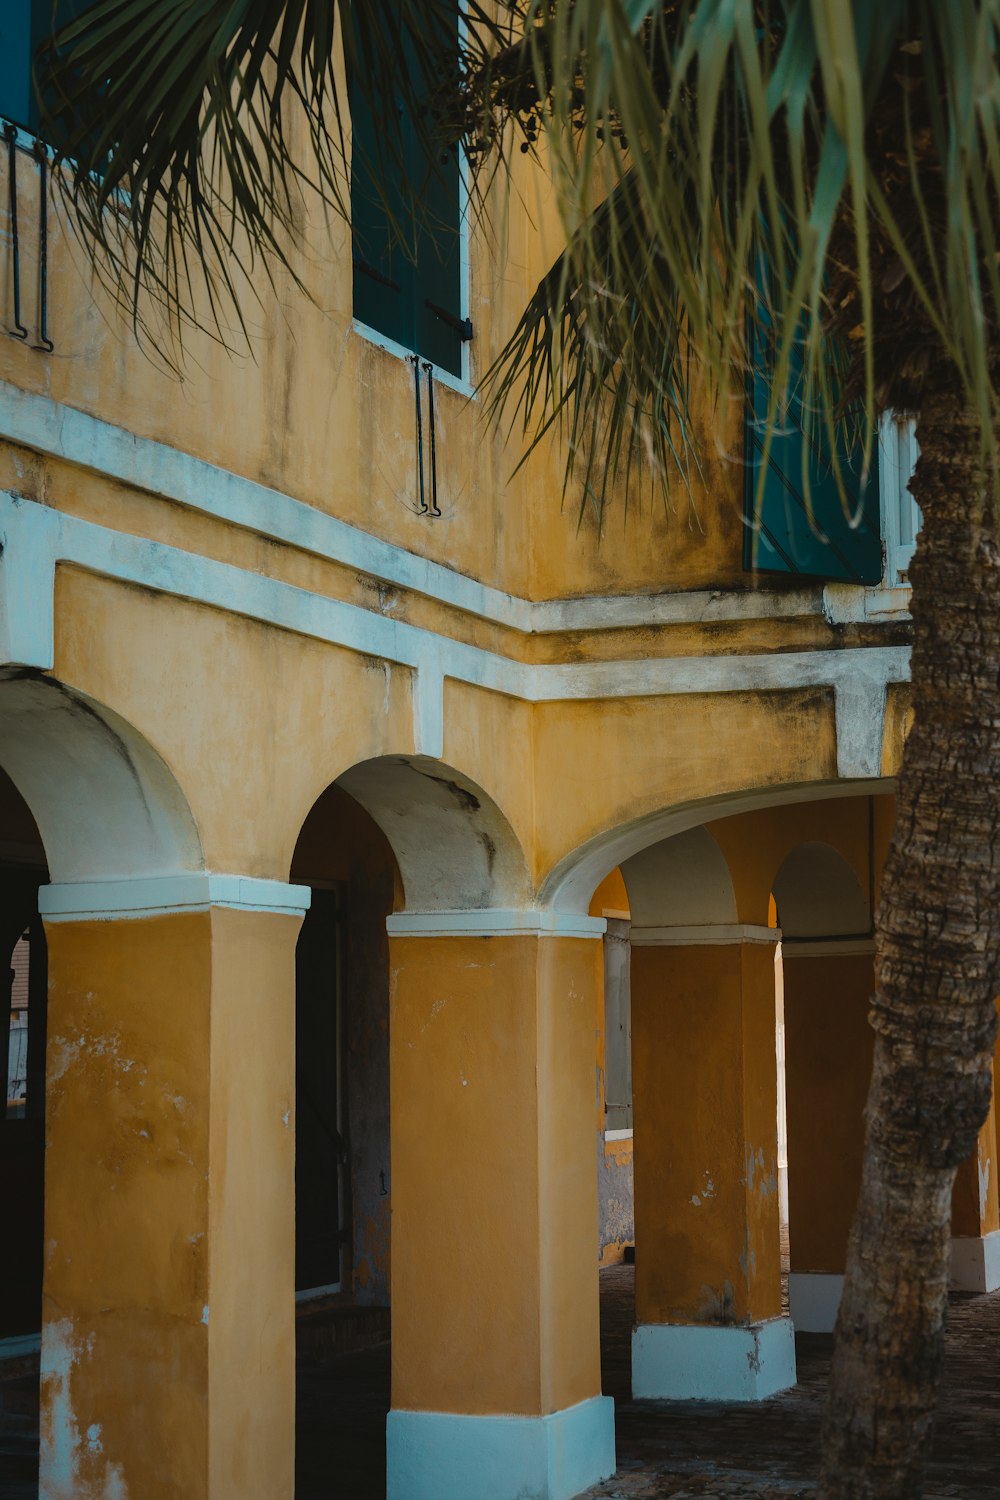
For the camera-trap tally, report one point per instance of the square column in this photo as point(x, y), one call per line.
point(168, 1339)
point(975, 1221)
point(495, 1317)
point(828, 1062)
point(708, 1271)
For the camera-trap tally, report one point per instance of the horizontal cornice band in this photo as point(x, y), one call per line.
point(63, 432)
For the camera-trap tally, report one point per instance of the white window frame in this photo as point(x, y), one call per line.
point(901, 518)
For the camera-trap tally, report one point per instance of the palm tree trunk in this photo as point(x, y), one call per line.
point(937, 972)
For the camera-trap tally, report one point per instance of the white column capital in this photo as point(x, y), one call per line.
point(709, 936)
point(495, 922)
point(167, 895)
point(826, 947)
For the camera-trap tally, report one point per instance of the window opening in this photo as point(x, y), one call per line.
point(24, 26)
point(901, 513)
point(784, 534)
point(406, 211)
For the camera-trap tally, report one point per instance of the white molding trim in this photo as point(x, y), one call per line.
point(709, 1362)
point(35, 538)
point(494, 922)
point(975, 1262)
point(825, 947)
point(435, 1455)
point(166, 895)
point(814, 1300)
point(64, 432)
point(721, 936)
point(619, 1135)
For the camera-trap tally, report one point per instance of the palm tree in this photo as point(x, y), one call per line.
point(820, 174)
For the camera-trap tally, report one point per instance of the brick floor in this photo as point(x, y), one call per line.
point(678, 1450)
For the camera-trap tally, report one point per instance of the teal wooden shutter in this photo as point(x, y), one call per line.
point(383, 261)
point(16, 100)
point(779, 536)
point(24, 26)
point(407, 265)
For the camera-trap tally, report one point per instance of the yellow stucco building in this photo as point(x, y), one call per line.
point(339, 770)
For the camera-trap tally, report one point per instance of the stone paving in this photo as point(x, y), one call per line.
point(666, 1450)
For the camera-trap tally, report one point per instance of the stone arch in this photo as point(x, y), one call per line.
point(106, 804)
point(818, 895)
point(682, 881)
point(455, 848)
point(570, 883)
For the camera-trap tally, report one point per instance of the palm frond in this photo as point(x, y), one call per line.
point(855, 146)
point(190, 132)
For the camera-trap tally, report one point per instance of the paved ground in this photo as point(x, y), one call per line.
point(670, 1451)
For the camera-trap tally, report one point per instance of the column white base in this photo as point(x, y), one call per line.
point(814, 1300)
point(433, 1455)
point(700, 1362)
point(975, 1262)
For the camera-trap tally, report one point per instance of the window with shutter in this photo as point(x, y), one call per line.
point(406, 220)
point(780, 537)
point(24, 26)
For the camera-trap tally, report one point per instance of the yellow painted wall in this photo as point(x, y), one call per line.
point(494, 1275)
point(828, 1059)
point(705, 1102)
point(170, 1208)
point(652, 753)
point(322, 414)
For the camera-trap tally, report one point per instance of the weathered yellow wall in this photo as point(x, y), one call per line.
point(652, 753)
point(828, 1058)
point(705, 1103)
point(494, 1275)
point(170, 1208)
point(321, 413)
point(128, 1111)
point(756, 844)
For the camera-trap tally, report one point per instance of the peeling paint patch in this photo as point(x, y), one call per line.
point(984, 1185)
point(204, 1314)
point(73, 1466)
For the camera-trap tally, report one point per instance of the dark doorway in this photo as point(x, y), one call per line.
point(24, 964)
point(321, 1185)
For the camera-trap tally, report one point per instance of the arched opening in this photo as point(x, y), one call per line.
point(396, 834)
point(22, 1130)
point(84, 799)
point(706, 907)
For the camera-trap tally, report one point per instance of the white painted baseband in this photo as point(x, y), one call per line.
point(975, 1262)
point(168, 894)
point(814, 1300)
point(689, 1362)
point(439, 1456)
point(494, 922)
point(714, 935)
